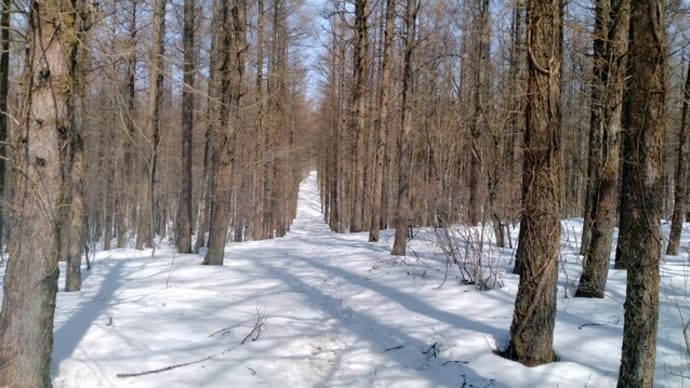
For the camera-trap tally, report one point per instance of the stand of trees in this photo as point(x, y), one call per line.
point(134, 122)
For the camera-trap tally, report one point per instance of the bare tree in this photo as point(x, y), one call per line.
point(145, 223)
point(610, 45)
point(184, 209)
point(231, 72)
point(531, 333)
point(381, 123)
point(403, 217)
point(680, 205)
point(643, 119)
point(38, 212)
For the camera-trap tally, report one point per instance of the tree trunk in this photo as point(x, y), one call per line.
point(358, 114)
point(610, 45)
point(381, 123)
point(531, 333)
point(231, 72)
point(38, 211)
point(680, 207)
point(403, 216)
point(258, 165)
point(184, 209)
point(4, 90)
point(643, 118)
point(146, 219)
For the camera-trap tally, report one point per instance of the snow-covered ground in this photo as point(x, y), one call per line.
point(319, 309)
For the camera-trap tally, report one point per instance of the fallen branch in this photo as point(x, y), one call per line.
point(165, 369)
point(254, 335)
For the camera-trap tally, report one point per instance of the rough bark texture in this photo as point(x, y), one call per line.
point(680, 207)
point(230, 70)
point(531, 333)
point(184, 209)
point(26, 320)
point(403, 216)
point(643, 120)
point(610, 45)
point(4, 89)
point(381, 123)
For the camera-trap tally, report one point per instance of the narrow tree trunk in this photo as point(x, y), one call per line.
point(358, 114)
point(531, 333)
point(643, 118)
point(145, 225)
point(611, 33)
point(403, 216)
point(680, 207)
point(38, 212)
point(381, 123)
point(258, 166)
point(184, 208)
point(4, 90)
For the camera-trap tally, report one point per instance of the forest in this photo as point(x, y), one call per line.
point(475, 193)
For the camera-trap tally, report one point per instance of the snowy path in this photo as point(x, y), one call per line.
point(339, 312)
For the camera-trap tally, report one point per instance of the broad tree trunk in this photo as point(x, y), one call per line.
point(231, 72)
point(610, 45)
point(38, 211)
point(531, 333)
point(680, 207)
point(643, 118)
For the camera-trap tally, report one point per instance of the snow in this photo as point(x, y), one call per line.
point(334, 310)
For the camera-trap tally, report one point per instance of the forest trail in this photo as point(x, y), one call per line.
point(333, 310)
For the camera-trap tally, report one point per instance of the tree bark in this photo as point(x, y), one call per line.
point(184, 208)
point(4, 90)
point(381, 123)
point(146, 219)
point(643, 119)
point(531, 333)
point(680, 207)
point(358, 114)
point(610, 45)
point(403, 216)
point(231, 71)
point(38, 211)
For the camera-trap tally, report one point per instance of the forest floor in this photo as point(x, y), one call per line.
point(319, 309)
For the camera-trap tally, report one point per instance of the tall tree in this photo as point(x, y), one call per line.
point(145, 223)
point(258, 165)
point(231, 71)
point(358, 108)
point(403, 216)
point(643, 119)
point(184, 209)
point(38, 211)
point(680, 206)
point(4, 91)
point(531, 333)
point(382, 122)
point(479, 126)
point(610, 45)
